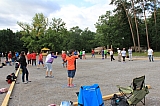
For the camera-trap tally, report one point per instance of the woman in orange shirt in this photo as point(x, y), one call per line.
point(71, 67)
point(40, 60)
point(29, 58)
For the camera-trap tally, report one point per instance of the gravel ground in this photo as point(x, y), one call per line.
point(44, 91)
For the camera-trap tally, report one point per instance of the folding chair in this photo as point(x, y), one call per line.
point(90, 96)
point(138, 96)
point(137, 87)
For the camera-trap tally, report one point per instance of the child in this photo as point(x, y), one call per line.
point(40, 60)
point(63, 58)
point(71, 67)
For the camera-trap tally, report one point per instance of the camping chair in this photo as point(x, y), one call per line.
point(90, 96)
point(136, 88)
point(138, 96)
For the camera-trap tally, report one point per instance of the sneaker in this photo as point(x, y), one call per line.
point(68, 85)
point(29, 81)
point(51, 76)
point(46, 76)
point(25, 82)
point(72, 85)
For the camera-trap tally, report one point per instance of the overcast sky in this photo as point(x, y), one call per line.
point(82, 13)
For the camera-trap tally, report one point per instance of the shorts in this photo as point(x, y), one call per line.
point(41, 61)
point(71, 73)
point(49, 66)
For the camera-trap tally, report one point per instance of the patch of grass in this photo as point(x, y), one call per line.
point(156, 54)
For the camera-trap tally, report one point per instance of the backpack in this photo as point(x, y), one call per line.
point(11, 78)
point(118, 101)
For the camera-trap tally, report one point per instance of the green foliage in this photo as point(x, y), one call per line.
point(10, 41)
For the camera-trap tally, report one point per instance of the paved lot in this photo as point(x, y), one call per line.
point(44, 91)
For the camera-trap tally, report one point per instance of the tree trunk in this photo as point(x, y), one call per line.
point(155, 20)
point(130, 26)
point(145, 24)
point(135, 19)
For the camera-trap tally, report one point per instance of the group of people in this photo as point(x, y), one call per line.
point(121, 54)
point(69, 61)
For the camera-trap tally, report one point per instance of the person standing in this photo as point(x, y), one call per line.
point(83, 54)
point(105, 53)
point(93, 53)
point(17, 55)
point(150, 54)
point(40, 60)
point(80, 54)
point(71, 67)
point(23, 65)
point(123, 52)
point(130, 54)
point(63, 56)
point(111, 54)
point(10, 58)
point(119, 54)
point(102, 53)
point(29, 56)
point(49, 60)
point(33, 58)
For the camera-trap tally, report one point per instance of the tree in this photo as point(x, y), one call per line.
point(32, 33)
point(135, 19)
point(10, 41)
point(121, 4)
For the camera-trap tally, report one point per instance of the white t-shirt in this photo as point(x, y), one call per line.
point(119, 52)
point(150, 52)
point(130, 51)
point(83, 52)
point(111, 52)
point(123, 53)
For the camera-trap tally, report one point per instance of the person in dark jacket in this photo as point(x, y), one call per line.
point(23, 65)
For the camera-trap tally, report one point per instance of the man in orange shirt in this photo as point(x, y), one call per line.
point(33, 58)
point(71, 67)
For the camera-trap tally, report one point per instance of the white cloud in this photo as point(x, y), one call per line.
point(72, 15)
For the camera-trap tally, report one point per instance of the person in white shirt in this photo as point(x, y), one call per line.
point(123, 52)
point(150, 54)
point(83, 54)
point(130, 54)
point(111, 54)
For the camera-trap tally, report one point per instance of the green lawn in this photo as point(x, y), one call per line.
point(156, 54)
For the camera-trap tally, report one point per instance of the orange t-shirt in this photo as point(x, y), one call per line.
point(9, 55)
point(40, 57)
point(71, 62)
point(63, 56)
point(34, 55)
point(29, 56)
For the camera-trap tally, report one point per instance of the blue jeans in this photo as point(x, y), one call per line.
point(24, 71)
point(150, 57)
